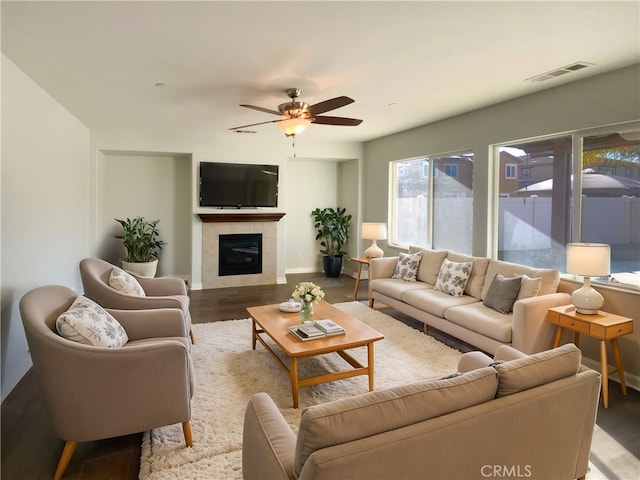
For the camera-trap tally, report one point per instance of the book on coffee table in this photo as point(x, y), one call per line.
point(311, 331)
point(328, 326)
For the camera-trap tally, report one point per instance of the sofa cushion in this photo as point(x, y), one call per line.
point(434, 302)
point(529, 287)
point(502, 293)
point(88, 323)
point(478, 273)
point(395, 288)
point(430, 264)
point(407, 266)
point(482, 320)
point(125, 282)
point(550, 278)
point(453, 277)
point(360, 416)
point(537, 369)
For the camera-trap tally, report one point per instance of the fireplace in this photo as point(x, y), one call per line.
point(214, 225)
point(240, 254)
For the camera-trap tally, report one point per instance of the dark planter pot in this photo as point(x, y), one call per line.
point(332, 266)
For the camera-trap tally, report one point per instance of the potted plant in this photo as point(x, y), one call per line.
point(143, 246)
point(332, 229)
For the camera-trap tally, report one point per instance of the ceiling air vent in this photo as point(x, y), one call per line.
point(559, 72)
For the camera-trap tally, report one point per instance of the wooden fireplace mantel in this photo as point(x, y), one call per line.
point(240, 217)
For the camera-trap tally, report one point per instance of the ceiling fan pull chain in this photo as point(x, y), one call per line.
point(293, 144)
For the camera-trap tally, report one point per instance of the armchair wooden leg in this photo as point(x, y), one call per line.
point(186, 429)
point(67, 453)
point(193, 339)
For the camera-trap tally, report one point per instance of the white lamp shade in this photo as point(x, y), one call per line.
point(588, 259)
point(374, 231)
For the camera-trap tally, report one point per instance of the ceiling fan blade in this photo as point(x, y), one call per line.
point(327, 105)
point(260, 109)
point(341, 121)
point(253, 125)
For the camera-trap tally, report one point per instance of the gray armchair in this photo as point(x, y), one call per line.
point(91, 393)
point(161, 292)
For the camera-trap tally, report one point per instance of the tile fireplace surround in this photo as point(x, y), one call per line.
point(216, 224)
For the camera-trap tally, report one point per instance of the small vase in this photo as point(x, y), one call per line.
point(306, 312)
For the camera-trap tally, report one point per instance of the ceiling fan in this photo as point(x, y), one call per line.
point(298, 115)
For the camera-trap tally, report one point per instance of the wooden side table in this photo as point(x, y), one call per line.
point(602, 326)
point(360, 261)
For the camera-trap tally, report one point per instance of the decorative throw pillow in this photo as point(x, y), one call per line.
point(529, 287)
point(502, 293)
point(453, 277)
point(87, 322)
point(125, 282)
point(407, 266)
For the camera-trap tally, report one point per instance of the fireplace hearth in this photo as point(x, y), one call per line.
point(240, 254)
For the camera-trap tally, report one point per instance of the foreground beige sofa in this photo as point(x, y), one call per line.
point(466, 317)
point(529, 416)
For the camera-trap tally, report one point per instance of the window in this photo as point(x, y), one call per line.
point(511, 171)
point(608, 209)
point(409, 192)
point(533, 222)
point(584, 188)
point(432, 210)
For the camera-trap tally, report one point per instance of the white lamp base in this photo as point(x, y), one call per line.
point(374, 251)
point(586, 299)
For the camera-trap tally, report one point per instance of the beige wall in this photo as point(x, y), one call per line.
point(45, 212)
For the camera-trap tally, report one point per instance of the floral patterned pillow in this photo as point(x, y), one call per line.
point(125, 282)
point(407, 266)
point(87, 322)
point(453, 277)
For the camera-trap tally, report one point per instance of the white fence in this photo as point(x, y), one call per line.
point(526, 222)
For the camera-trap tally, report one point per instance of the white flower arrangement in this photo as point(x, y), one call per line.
point(308, 292)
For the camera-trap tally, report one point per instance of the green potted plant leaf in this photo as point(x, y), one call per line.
point(143, 245)
point(332, 229)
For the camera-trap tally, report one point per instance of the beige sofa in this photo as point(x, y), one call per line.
point(466, 317)
point(528, 416)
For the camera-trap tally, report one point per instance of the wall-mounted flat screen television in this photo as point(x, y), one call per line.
point(238, 185)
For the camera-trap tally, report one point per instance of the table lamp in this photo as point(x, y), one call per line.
point(373, 232)
point(588, 260)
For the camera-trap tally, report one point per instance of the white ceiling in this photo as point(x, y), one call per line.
point(404, 63)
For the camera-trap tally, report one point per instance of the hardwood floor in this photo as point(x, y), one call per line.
point(30, 450)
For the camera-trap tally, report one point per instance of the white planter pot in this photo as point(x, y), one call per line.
point(146, 269)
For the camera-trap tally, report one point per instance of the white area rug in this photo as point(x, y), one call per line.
point(228, 372)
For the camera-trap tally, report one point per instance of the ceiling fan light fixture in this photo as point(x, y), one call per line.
point(293, 126)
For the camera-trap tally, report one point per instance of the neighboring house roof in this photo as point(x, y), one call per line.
point(593, 185)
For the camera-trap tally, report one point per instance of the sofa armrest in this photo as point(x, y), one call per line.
point(532, 333)
point(382, 267)
point(472, 361)
point(505, 353)
point(162, 286)
point(159, 322)
point(268, 443)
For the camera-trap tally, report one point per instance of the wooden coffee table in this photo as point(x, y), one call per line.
point(269, 320)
